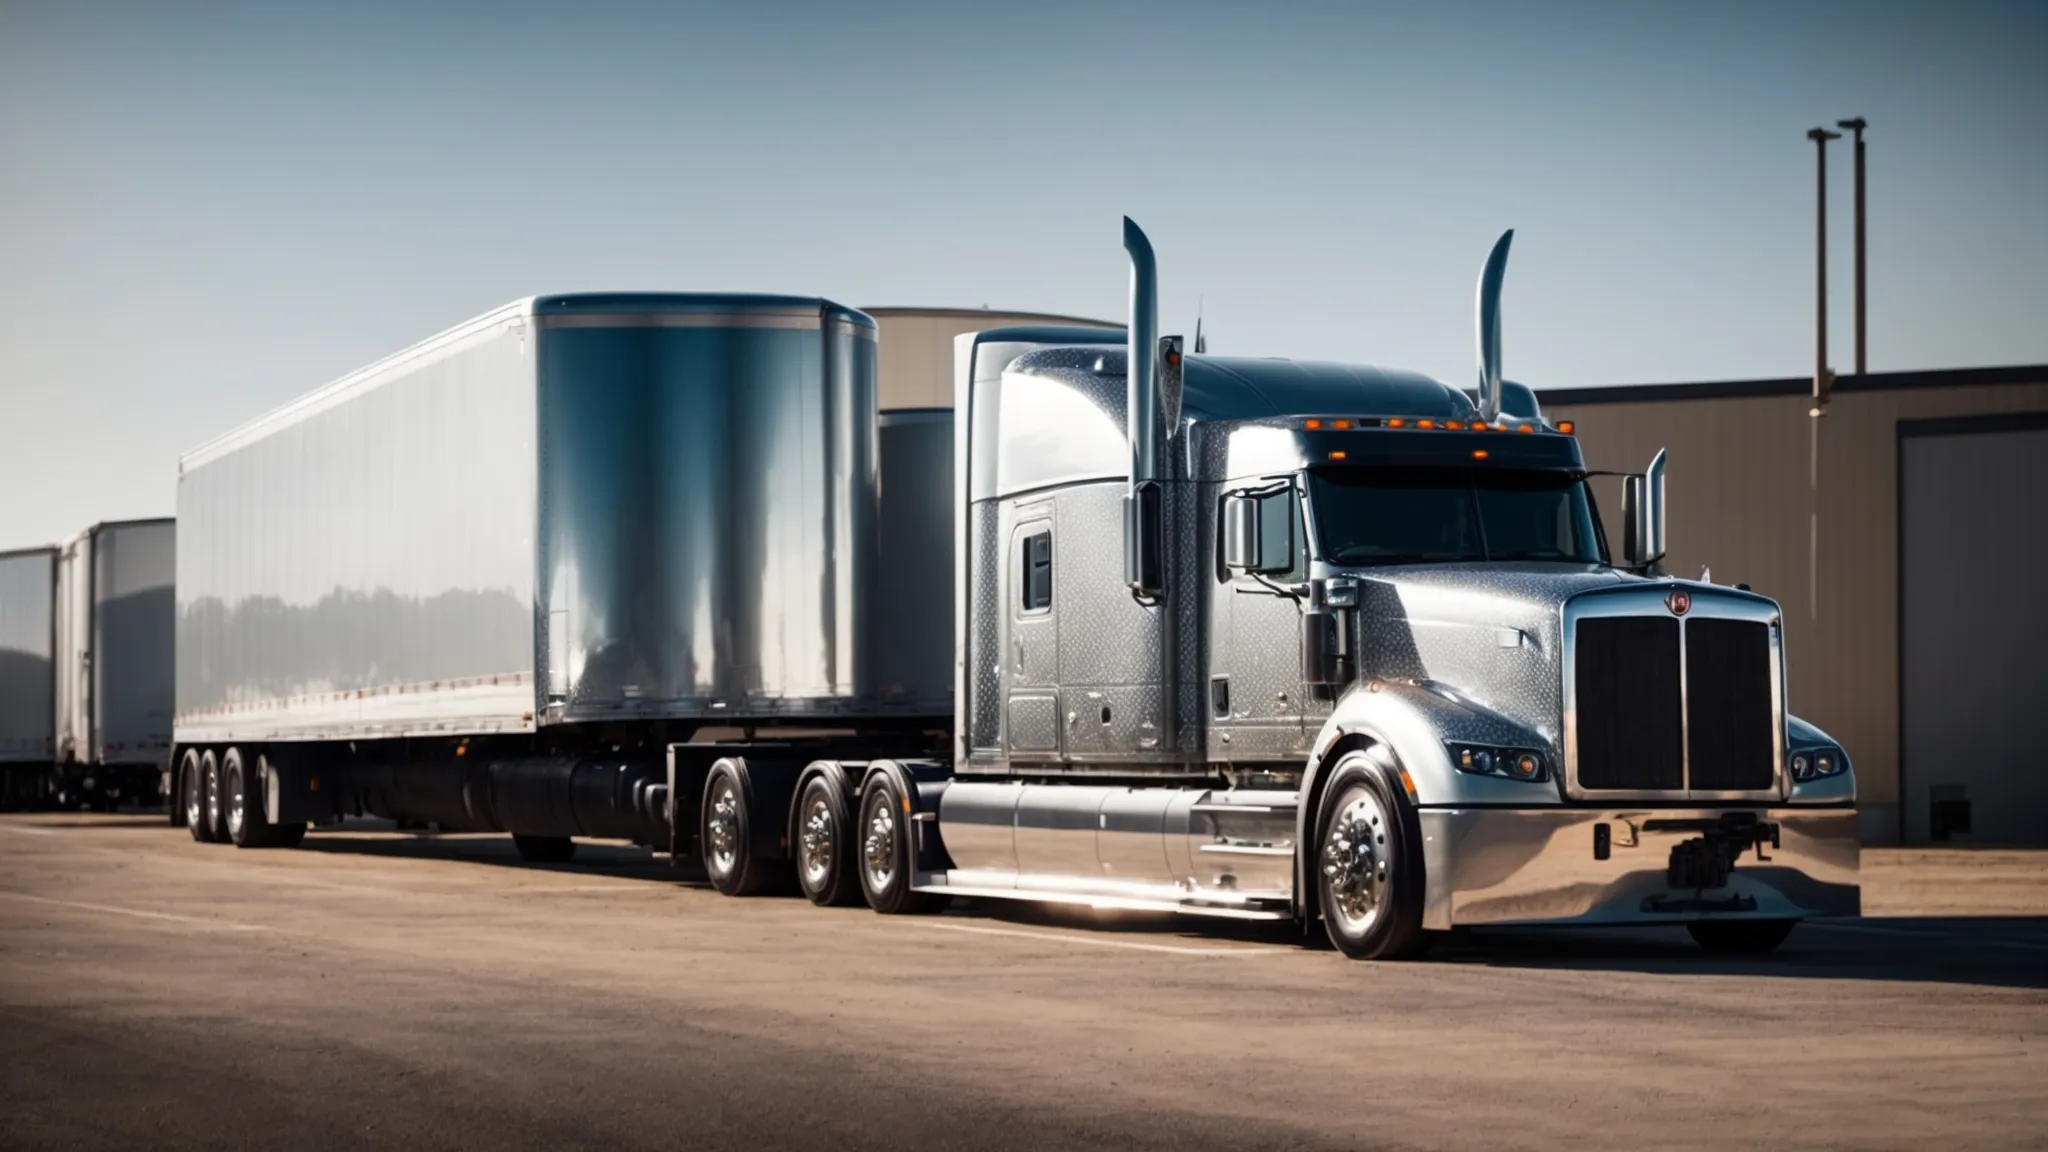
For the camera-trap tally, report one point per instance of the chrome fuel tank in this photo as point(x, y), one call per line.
point(707, 507)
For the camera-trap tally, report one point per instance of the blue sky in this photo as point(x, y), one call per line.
point(207, 209)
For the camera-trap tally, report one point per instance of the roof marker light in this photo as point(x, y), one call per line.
point(1397, 422)
point(1480, 453)
point(1566, 427)
point(1311, 425)
point(1425, 423)
point(1340, 425)
point(1337, 455)
point(1455, 425)
point(1526, 428)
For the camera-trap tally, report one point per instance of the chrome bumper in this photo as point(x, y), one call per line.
point(1539, 866)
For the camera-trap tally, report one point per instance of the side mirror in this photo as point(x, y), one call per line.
point(1258, 531)
point(1642, 512)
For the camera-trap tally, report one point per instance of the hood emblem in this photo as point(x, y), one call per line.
point(1680, 601)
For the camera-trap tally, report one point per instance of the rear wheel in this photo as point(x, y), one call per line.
point(216, 799)
point(544, 849)
point(884, 859)
point(823, 862)
point(248, 826)
point(1368, 863)
point(192, 796)
point(726, 832)
point(1746, 936)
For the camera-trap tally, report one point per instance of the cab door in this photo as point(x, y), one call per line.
point(1032, 662)
point(1266, 691)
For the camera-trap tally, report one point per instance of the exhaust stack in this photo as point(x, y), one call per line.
point(1141, 347)
point(1489, 327)
point(1144, 555)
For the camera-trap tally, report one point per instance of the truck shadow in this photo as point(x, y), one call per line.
point(592, 859)
point(1991, 951)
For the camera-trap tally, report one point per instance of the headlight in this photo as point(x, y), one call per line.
point(1513, 763)
point(1817, 763)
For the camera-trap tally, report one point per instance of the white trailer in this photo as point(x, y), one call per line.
point(28, 639)
point(114, 660)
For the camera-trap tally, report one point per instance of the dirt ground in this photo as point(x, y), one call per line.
point(373, 990)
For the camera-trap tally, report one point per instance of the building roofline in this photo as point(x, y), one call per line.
point(1798, 385)
point(1018, 313)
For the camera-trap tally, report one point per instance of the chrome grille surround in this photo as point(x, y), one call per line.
point(1649, 600)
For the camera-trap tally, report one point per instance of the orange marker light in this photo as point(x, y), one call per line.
point(1455, 425)
point(1397, 422)
point(1480, 453)
point(1311, 425)
point(1527, 428)
point(1337, 455)
point(1566, 427)
point(1340, 425)
point(1425, 423)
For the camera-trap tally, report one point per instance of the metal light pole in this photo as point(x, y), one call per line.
point(1857, 126)
point(1822, 378)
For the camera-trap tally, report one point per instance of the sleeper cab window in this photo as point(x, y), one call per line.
point(1037, 574)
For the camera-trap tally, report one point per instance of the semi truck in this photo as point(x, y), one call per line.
point(86, 629)
point(1126, 628)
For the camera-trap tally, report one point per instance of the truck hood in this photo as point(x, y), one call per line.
point(1491, 633)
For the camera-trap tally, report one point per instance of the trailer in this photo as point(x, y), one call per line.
point(1126, 628)
point(113, 690)
point(28, 684)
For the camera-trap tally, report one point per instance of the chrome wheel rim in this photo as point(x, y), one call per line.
point(212, 796)
point(817, 842)
point(878, 851)
point(234, 801)
point(195, 799)
point(722, 830)
point(1355, 863)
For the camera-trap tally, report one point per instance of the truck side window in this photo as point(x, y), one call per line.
point(1037, 574)
point(1280, 530)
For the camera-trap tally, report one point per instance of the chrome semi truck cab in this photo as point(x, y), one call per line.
point(1272, 639)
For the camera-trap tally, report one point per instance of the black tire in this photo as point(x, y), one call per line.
point(215, 797)
point(544, 849)
point(1367, 863)
point(822, 845)
point(247, 825)
point(1751, 937)
point(882, 853)
point(725, 835)
point(192, 796)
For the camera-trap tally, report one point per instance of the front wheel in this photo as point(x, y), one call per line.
point(1368, 863)
point(1743, 936)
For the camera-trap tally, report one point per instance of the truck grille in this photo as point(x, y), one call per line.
point(1641, 726)
point(1629, 724)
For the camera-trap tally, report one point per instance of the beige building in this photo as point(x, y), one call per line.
point(1909, 562)
point(916, 357)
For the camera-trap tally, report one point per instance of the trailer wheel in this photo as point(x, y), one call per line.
point(1368, 863)
point(216, 801)
point(884, 851)
point(1745, 936)
point(823, 860)
point(544, 849)
point(192, 796)
point(726, 831)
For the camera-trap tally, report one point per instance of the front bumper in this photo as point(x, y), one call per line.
point(1541, 866)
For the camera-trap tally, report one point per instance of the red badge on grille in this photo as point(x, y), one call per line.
point(1679, 601)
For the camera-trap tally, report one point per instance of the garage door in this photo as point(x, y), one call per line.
point(1973, 568)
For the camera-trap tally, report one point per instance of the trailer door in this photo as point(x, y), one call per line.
point(1972, 559)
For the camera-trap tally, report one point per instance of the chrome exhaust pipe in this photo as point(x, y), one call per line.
point(1489, 327)
point(1141, 341)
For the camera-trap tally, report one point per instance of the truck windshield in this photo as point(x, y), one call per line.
point(1425, 515)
